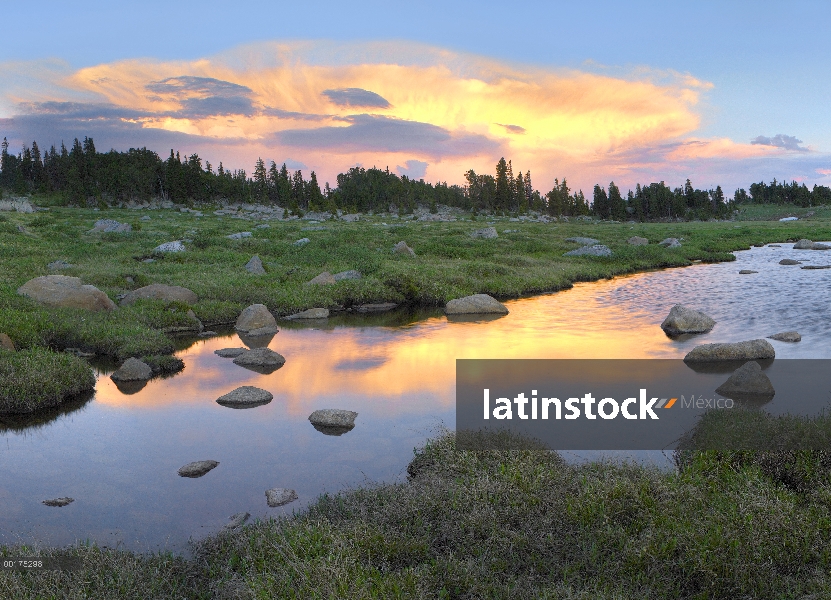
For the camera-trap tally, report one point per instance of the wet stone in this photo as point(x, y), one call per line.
point(279, 496)
point(59, 501)
point(198, 468)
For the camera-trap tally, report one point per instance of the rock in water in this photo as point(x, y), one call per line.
point(373, 308)
point(230, 352)
point(133, 370)
point(478, 304)
point(747, 272)
point(279, 496)
point(596, 250)
point(402, 248)
point(237, 520)
point(198, 468)
point(245, 397)
point(110, 226)
point(312, 313)
point(158, 291)
point(351, 274)
point(750, 350)
point(176, 246)
point(803, 244)
point(262, 360)
point(747, 380)
point(786, 336)
point(686, 320)
point(583, 241)
point(637, 241)
point(255, 266)
point(333, 421)
point(256, 318)
point(488, 233)
point(66, 292)
point(670, 243)
point(815, 267)
point(6, 342)
point(325, 278)
point(58, 501)
point(789, 261)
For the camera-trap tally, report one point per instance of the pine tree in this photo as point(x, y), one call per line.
point(617, 206)
point(260, 181)
point(503, 190)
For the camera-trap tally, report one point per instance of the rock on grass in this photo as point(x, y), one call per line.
point(34, 379)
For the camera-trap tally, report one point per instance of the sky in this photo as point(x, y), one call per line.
point(723, 93)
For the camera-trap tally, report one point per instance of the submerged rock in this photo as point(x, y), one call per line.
point(682, 319)
point(749, 350)
point(747, 380)
point(747, 272)
point(230, 352)
point(379, 307)
point(59, 501)
point(158, 291)
point(312, 313)
point(479, 304)
point(237, 520)
point(66, 292)
point(596, 250)
point(256, 318)
point(815, 267)
point(198, 468)
point(786, 336)
point(279, 496)
point(789, 261)
point(133, 370)
point(245, 397)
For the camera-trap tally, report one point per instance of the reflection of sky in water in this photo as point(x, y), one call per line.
point(118, 455)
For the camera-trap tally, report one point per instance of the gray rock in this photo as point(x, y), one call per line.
point(488, 233)
point(402, 248)
point(237, 520)
point(230, 352)
point(789, 261)
point(747, 380)
point(670, 243)
point(478, 304)
point(351, 274)
point(263, 226)
point(380, 307)
point(686, 320)
point(261, 359)
point(66, 292)
point(637, 241)
point(110, 226)
point(749, 350)
point(747, 272)
point(350, 218)
point(583, 241)
point(818, 246)
point(239, 236)
point(784, 219)
point(256, 318)
point(255, 266)
point(596, 250)
point(176, 246)
point(158, 291)
point(133, 370)
point(803, 244)
point(774, 246)
point(302, 242)
point(245, 397)
point(333, 421)
point(325, 278)
point(59, 501)
point(279, 496)
point(59, 265)
point(815, 267)
point(145, 218)
point(197, 469)
point(205, 334)
point(148, 260)
point(786, 336)
point(312, 313)
point(6, 342)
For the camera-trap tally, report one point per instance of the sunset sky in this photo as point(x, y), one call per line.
point(719, 92)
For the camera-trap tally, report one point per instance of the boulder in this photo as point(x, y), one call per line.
point(262, 360)
point(402, 248)
point(748, 380)
point(256, 318)
point(110, 226)
point(66, 292)
point(747, 272)
point(596, 250)
point(583, 241)
point(230, 352)
point(246, 396)
point(380, 307)
point(803, 244)
point(818, 246)
point(670, 243)
point(239, 236)
point(488, 233)
point(477, 304)
point(749, 350)
point(302, 242)
point(255, 266)
point(351, 274)
point(198, 468)
point(159, 291)
point(59, 265)
point(176, 246)
point(786, 336)
point(133, 370)
point(279, 496)
point(333, 421)
point(682, 319)
point(637, 241)
point(6, 343)
point(59, 501)
point(325, 278)
point(789, 261)
point(312, 313)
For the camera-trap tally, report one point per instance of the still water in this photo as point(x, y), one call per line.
point(118, 454)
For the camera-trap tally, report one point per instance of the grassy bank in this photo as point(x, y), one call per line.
point(517, 524)
point(37, 379)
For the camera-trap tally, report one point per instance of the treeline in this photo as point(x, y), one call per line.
point(81, 174)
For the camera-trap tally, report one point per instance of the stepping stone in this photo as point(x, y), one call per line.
point(280, 496)
point(58, 501)
point(230, 352)
point(197, 469)
point(786, 336)
point(246, 396)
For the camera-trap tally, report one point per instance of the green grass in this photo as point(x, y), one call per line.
point(499, 524)
point(36, 379)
